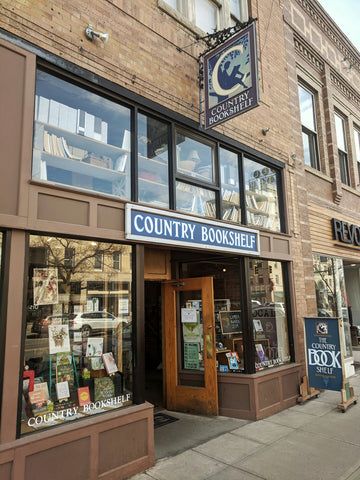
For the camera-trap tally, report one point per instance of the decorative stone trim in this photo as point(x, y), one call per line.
point(345, 89)
point(308, 53)
point(329, 28)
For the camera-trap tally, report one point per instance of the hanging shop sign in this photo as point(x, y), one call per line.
point(151, 225)
point(324, 359)
point(345, 233)
point(231, 78)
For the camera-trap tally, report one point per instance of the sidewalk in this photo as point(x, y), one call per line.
point(314, 440)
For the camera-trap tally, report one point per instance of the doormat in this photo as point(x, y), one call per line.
point(161, 419)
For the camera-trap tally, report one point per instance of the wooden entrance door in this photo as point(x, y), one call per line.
point(189, 338)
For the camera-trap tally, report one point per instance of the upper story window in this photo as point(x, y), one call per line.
point(309, 129)
point(357, 149)
point(239, 10)
point(81, 139)
point(342, 149)
point(207, 14)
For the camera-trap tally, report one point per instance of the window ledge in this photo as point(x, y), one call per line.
point(318, 173)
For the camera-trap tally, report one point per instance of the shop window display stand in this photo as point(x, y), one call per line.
point(52, 375)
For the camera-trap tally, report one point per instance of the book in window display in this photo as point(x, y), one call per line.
point(83, 396)
point(110, 363)
point(62, 391)
point(59, 339)
point(103, 388)
point(94, 347)
point(65, 369)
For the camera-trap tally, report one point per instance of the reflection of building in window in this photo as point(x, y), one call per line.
point(117, 260)
point(69, 258)
point(99, 261)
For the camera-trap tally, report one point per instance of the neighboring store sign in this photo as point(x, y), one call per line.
point(231, 78)
point(151, 225)
point(345, 233)
point(323, 349)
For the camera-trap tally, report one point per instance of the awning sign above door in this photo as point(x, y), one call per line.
point(150, 225)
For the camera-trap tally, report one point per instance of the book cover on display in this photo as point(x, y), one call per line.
point(59, 340)
point(65, 369)
point(94, 347)
point(62, 390)
point(83, 396)
point(103, 388)
point(109, 362)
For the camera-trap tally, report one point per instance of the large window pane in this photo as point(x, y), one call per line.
point(239, 10)
point(271, 339)
point(205, 15)
point(229, 322)
point(309, 130)
point(261, 193)
point(331, 293)
point(80, 139)
point(194, 158)
point(307, 111)
point(340, 133)
point(78, 346)
point(153, 160)
point(191, 199)
point(230, 192)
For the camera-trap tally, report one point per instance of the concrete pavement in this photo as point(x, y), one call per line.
point(314, 440)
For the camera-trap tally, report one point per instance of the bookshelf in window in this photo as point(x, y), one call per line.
point(230, 199)
point(153, 180)
point(262, 209)
point(197, 200)
point(63, 157)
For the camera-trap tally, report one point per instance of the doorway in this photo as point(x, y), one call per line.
point(181, 338)
point(153, 345)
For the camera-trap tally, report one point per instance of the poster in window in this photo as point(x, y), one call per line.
point(230, 321)
point(59, 340)
point(191, 356)
point(45, 284)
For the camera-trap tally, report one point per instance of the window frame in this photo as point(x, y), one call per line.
point(356, 134)
point(311, 135)
point(185, 13)
point(214, 141)
point(342, 153)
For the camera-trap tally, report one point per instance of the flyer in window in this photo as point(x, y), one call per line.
point(59, 340)
point(45, 283)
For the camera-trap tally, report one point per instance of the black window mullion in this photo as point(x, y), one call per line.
point(134, 155)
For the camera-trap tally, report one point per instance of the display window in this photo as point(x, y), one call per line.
point(269, 314)
point(78, 352)
point(331, 296)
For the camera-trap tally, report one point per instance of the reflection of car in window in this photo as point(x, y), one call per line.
point(41, 326)
point(88, 322)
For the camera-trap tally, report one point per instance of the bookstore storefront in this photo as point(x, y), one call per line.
point(336, 259)
point(115, 281)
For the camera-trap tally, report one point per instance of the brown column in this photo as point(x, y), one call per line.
point(12, 365)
